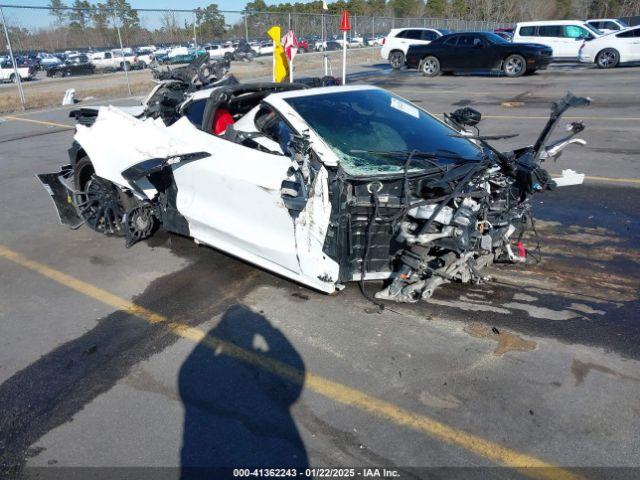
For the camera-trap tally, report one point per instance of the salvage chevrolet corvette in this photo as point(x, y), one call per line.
point(320, 185)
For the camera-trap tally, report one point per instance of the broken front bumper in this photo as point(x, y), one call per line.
point(60, 187)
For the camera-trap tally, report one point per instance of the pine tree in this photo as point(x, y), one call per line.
point(58, 11)
point(436, 8)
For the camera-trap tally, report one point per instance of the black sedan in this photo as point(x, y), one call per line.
point(476, 51)
point(74, 65)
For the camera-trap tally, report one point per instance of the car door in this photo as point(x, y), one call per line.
point(72, 66)
point(470, 53)
point(574, 36)
point(553, 36)
point(234, 201)
point(83, 65)
point(448, 54)
point(5, 70)
point(628, 45)
point(408, 37)
point(634, 48)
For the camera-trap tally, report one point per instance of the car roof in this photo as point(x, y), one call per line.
point(602, 20)
point(552, 22)
point(395, 30)
point(310, 92)
point(470, 32)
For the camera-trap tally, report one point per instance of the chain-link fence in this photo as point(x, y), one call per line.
point(104, 48)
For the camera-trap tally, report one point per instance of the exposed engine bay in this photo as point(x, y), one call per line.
point(391, 193)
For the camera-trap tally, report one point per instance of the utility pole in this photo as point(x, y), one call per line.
point(18, 80)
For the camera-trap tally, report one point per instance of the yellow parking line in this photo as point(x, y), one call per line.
point(614, 180)
point(604, 179)
point(550, 96)
point(527, 464)
point(529, 117)
point(41, 122)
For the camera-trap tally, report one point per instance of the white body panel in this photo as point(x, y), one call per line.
point(626, 43)
point(559, 35)
point(218, 51)
point(104, 60)
point(7, 72)
point(231, 200)
point(394, 40)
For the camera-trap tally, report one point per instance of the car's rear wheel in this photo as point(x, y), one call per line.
point(100, 203)
point(430, 66)
point(514, 65)
point(396, 59)
point(13, 78)
point(59, 74)
point(608, 58)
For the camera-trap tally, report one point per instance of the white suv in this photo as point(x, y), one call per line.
point(395, 45)
point(565, 37)
point(608, 25)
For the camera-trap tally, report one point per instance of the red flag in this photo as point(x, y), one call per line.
point(290, 44)
point(345, 21)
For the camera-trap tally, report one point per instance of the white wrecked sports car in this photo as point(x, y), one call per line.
point(320, 185)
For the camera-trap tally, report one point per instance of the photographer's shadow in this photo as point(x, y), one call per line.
point(237, 413)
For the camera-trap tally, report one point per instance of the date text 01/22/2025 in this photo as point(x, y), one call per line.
point(316, 473)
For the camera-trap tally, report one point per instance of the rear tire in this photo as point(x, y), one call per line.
point(430, 66)
point(100, 203)
point(396, 59)
point(13, 78)
point(608, 58)
point(514, 66)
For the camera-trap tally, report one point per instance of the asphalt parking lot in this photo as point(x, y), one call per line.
point(169, 354)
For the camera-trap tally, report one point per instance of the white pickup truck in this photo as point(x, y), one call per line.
point(114, 60)
point(219, 51)
point(8, 74)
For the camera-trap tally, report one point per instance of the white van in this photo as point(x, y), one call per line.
point(563, 36)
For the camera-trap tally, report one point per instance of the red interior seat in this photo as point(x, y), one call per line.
point(221, 120)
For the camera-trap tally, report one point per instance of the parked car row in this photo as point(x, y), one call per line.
point(604, 42)
point(335, 42)
point(528, 47)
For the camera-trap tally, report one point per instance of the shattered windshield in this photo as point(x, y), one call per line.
point(376, 120)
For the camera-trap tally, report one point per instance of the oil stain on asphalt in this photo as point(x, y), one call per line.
point(50, 391)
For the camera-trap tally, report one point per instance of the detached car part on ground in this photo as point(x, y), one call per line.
point(320, 185)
